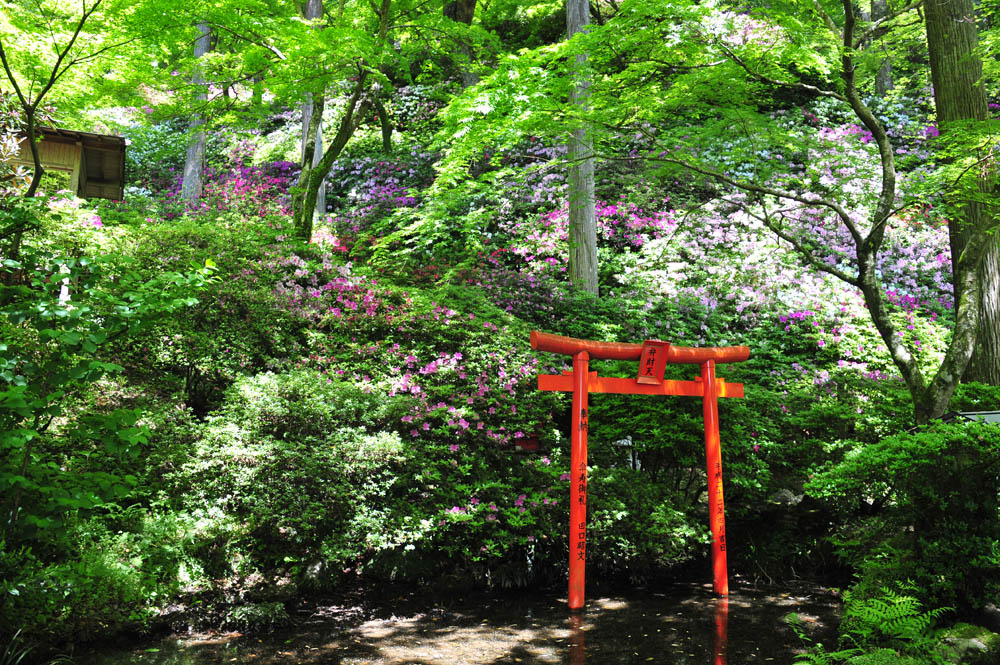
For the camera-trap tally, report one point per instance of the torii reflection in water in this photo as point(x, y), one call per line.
point(578, 640)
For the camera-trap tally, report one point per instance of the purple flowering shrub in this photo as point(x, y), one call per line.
point(539, 245)
point(415, 107)
point(363, 189)
point(242, 192)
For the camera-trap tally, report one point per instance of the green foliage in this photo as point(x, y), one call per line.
point(924, 507)
point(889, 619)
point(887, 627)
point(155, 155)
point(635, 528)
point(975, 397)
point(118, 566)
point(55, 325)
point(286, 470)
point(257, 616)
point(238, 327)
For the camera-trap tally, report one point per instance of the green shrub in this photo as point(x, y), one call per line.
point(922, 506)
point(285, 468)
point(257, 616)
point(98, 581)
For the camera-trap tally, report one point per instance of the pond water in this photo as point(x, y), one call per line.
point(681, 626)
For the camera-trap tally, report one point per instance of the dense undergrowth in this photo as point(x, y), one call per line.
point(199, 411)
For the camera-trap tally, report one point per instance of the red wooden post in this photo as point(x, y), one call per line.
point(713, 457)
point(578, 480)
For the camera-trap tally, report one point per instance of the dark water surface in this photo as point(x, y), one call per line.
point(681, 625)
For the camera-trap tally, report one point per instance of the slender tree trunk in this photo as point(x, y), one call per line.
point(348, 124)
point(463, 11)
point(320, 207)
point(312, 118)
point(312, 143)
point(956, 70)
point(194, 163)
point(883, 78)
point(385, 122)
point(304, 201)
point(312, 126)
point(582, 216)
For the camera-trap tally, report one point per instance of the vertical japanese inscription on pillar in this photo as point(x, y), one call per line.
point(720, 509)
point(581, 527)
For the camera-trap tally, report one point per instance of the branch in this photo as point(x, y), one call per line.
point(883, 208)
point(11, 78)
point(845, 218)
point(979, 162)
point(797, 245)
point(56, 74)
point(256, 39)
point(775, 82)
point(827, 19)
point(420, 27)
point(48, 23)
point(879, 25)
point(91, 56)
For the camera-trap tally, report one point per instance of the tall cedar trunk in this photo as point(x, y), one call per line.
point(312, 126)
point(194, 163)
point(883, 78)
point(582, 216)
point(952, 38)
point(463, 11)
point(985, 363)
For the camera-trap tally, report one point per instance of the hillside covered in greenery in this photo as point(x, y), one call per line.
point(278, 366)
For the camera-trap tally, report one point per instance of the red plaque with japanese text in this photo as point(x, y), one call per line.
point(653, 361)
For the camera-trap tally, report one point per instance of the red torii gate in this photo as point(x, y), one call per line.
point(653, 355)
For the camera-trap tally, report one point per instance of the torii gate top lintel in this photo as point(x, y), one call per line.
point(569, 346)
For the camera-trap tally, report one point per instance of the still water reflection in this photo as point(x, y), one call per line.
point(578, 640)
point(683, 627)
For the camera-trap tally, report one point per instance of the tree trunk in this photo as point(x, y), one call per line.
point(582, 216)
point(312, 126)
point(463, 11)
point(312, 144)
point(304, 202)
point(194, 163)
point(985, 363)
point(956, 70)
point(883, 78)
point(385, 122)
point(320, 208)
